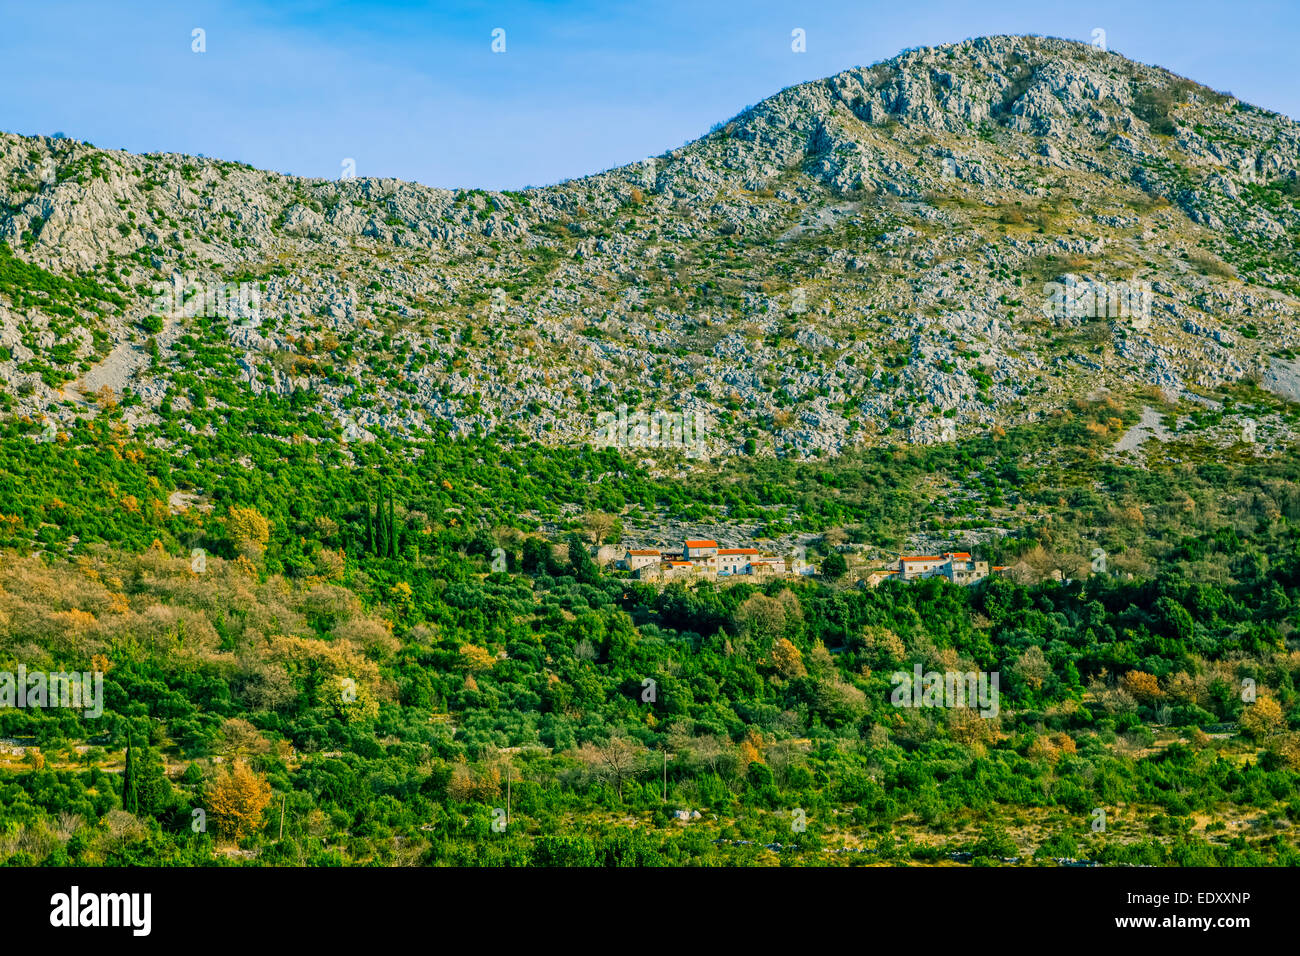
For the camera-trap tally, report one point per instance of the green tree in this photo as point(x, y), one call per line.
point(153, 789)
point(130, 788)
point(392, 528)
point(834, 566)
point(379, 545)
point(370, 527)
point(584, 568)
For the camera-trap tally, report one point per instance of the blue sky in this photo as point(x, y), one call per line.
point(413, 90)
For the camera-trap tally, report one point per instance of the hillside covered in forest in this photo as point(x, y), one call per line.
point(304, 477)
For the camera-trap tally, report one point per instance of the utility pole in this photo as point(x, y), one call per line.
point(508, 753)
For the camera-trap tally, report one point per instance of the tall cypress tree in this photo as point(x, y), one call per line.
point(392, 528)
point(370, 527)
point(381, 530)
point(130, 788)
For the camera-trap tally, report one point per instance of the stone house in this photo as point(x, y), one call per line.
point(735, 560)
point(638, 559)
point(957, 566)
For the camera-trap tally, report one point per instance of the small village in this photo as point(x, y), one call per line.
point(704, 559)
point(701, 558)
point(957, 566)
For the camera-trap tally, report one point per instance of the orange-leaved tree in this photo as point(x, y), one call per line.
point(236, 800)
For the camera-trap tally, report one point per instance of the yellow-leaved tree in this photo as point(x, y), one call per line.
point(751, 751)
point(476, 659)
point(248, 532)
point(1262, 718)
point(1143, 686)
point(236, 799)
point(787, 659)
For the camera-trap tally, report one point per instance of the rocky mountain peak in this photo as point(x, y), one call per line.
point(893, 253)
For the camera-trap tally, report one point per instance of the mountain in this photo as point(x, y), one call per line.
point(320, 631)
point(893, 254)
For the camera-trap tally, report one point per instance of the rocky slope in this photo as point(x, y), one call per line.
point(884, 255)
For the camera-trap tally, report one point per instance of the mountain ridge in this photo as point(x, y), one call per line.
point(788, 278)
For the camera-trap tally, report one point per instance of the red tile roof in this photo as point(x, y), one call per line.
point(643, 553)
point(738, 551)
point(701, 544)
point(926, 557)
